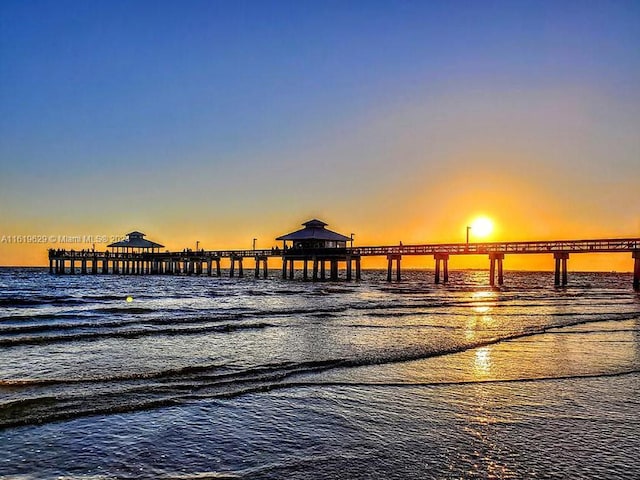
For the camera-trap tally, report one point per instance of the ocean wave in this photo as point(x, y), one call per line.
point(445, 383)
point(131, 310)
point(192, 383)
point(36, 301)
point(137, 333)
point(40, 316)
point(152, 391)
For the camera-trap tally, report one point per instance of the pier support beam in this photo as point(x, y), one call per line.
point(291, 267)
point(493, 259)
point(349, 266)
point(315, 269)
point(334, 270)
point(263, 259)
point(444, 258)
point(51, 266)
point(358, 276)
point(561, 266)
point(284, 268)
point(305, 270)
point(390, 259)
point(322, 270)
point(636, 270)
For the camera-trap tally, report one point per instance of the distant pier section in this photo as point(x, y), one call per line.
point(320, 253)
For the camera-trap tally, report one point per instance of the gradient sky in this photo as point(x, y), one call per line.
point(224, 121)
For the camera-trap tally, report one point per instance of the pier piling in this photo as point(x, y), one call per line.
point(261, 259)
point(390, 259)
point(444, 258)
point(560, 268)
point(496, 258)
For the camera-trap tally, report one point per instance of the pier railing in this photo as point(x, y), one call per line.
point(551, 246)
point(548, 246)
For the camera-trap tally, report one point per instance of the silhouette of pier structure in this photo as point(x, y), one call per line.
point(320, 252)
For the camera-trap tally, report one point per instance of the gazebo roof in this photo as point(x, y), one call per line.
point(135, 240)
point(314, 230)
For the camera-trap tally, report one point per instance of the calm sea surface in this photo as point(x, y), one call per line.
point(202, 377)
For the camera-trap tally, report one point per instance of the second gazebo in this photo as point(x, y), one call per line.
point(314, 243)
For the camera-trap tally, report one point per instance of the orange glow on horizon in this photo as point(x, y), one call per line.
point(445, 223)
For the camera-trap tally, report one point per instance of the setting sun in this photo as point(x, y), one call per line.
point(481, 227)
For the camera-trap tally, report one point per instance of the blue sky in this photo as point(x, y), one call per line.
point(144, 109)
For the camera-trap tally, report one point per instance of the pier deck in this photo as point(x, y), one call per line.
point(209, 261)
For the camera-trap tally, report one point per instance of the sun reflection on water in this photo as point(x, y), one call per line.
point(481, 306)
point(482, 363)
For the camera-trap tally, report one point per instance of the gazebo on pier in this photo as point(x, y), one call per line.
point(314, 236)
point(130, 254)
point(319, 245)
point(135, 243)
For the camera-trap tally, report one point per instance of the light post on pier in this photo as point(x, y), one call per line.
point(352, 235)
point(197, 244)
point(468, 229)
point(254, 244)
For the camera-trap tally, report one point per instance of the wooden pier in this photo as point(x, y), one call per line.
point(324, 263)
point(496, 252)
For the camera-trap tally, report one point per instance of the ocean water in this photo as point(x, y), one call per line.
point(204, 377)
